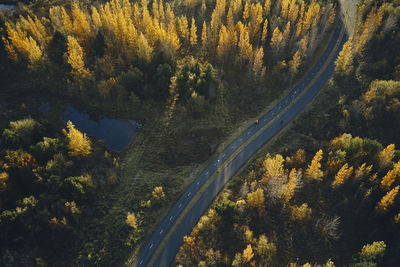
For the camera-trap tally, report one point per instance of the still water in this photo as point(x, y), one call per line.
point(117, 134)
point(6, 7)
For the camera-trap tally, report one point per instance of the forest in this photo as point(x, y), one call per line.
point(196, 71)
point(192, 70)
point(326, 193)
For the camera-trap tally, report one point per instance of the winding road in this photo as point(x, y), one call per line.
point(256, 135)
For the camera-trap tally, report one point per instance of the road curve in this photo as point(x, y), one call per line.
point(191, 218)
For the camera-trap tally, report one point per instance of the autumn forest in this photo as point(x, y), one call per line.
point(194, 74)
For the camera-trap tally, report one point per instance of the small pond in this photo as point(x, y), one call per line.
point(6, 7)
point(117, 134)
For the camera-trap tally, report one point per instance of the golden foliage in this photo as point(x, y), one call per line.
point(386, 155)
point(230, 22)
point(25, 45)
point(87, 180)
point(285, 8)
point(332, 15)
point(277, 38)
point(373, 177)
point(344, 62)
point(246, 12)
point(396, 218)
point(297, 159)
point(247, 254)
point(71, 207)
point(390, 177)
point(258, 64)
point(80, 24)
point(291, 186)
point(387, 200)
point(76, 58)
point(67, 22)
point(96, 18)
point(78, 143)
point(342, 175)
point(371, 251)
point(363, 170)
point(56, 221)
point(286, 33)
point(131, 220)
point(314, 169)
point(223, 43)
point(183, 28)
point(265, 30)
point(204, 34)
point(273, 167)
point(300, 213)
point(245, 47)
point(265, 249)
point(299, 25)
point(4, 179)
point(294, 64)
point(144, 49)
point(267, 7)
point(158, 193)
point(293, 11)
point(255, 19)
point(256, 199)
point(193, 33)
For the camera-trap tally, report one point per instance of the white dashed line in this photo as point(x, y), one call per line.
point(206, 173)
point(189, 194)
point(180, 205)
point(197, 183)
point(161, 231)
point(140, 263)
point(170, 218)
point(151, 246)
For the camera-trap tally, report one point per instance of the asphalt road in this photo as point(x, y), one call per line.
point(194, 214)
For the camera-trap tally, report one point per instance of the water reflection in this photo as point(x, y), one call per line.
point(6, 7)
point(117, 134)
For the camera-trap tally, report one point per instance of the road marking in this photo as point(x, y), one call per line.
point(223, 155)
point(197, 183)
point(207, 173)
point(151, 246)
point(170, 218)
point(248, 133)
point(180, 205)
point(162, 230)
point(140, 263)
point(189, 193)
